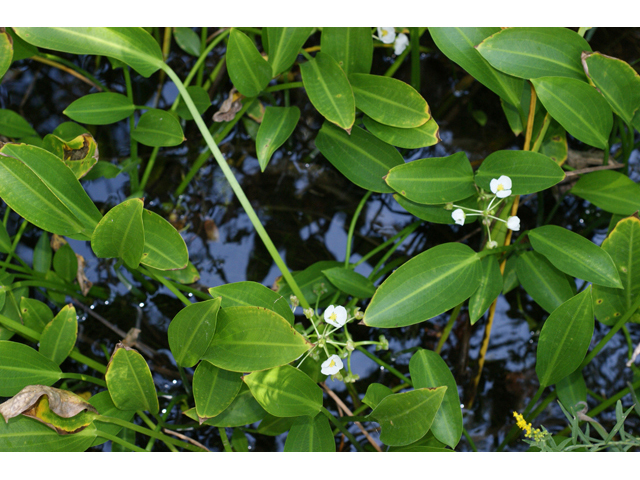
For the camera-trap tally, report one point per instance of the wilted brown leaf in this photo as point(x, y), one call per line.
point(83, 282)
point(229, 107)
point(57, 241)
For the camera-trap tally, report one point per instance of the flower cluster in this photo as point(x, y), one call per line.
point(388, 35)
point(501, 188)
point(534, 434)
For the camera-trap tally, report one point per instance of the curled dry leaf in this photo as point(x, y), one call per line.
point(229, 107)
point(131, 338)
point(83, 282)
point(57, 241)
point(38, 401)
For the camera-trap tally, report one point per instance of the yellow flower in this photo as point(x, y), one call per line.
point(533, 433)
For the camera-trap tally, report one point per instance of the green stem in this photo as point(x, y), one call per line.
point(404, 233)
point(225, 439)
point(84, 378)
point(120, 441)
point(415, 57)
point(469, 439)
point(14, 245)
point(342, 429)
point(237, 189)
point(397, 373)
point(133, 149)
point(352, 227)
point(148, 168)
point(148, 432)
point(283, 86)
point(447, 329)
point(166, 283)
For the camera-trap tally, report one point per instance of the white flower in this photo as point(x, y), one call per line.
point(400, 44)
point(513, 223)
point(501, 186)
point(386, 34)
point(336, 316)
point(331, 365)
point(458, 216)
point(492, 244)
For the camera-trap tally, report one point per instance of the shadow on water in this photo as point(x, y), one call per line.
point(306, 207)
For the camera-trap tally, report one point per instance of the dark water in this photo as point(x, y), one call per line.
point(306, 207)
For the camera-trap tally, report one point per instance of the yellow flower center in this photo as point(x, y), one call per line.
point(500, 187)
point(333, 317)
point(333, 363)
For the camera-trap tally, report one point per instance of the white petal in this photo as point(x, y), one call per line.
point(341, 314)
point(501, 187)
point(336, 316)
point(400, 44)
point(513, 223)
point(331, 365)
point(386, 34)
point(458, 216)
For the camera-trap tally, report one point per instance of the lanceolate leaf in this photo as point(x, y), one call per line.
point(285, 391)
point(429, 370)
point(529, 172)
point(23, 434)
point(13, 125)
point(489, 289)
point(609, 190)
point(572, 390)
point(191, 331)
point(427, 285)
point(248, 70)
point(425, 135)
point(164, 248)
point(59, 336)
point(434, 180)
point(284, 45)
point(100, 108)
point(310, 434)
point(389, 101)
point(351, 47)
point(459, 45)
point(6, 52)
point(575, 255)
point(328, 89)
point(578, 107)
point(623, 244)
point(277, 126)
point(253, 338)
point(21, 365)
point(214, 389)
point(360, 157)
point(243, 410)
point(564, 339)
point(350, 282)
point(548, 286)
point(133, 46)
point(533, 52)
point(158, 128)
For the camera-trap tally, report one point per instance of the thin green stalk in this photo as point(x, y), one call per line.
point(148, 168)
point(200, 68)
point(283, 86)
point(200, 62)
point(342, 429)
point(352, 227)
point(414, 39)
point(469, 439)
point(514, 431)
point(148, 432)
point(533, 401)
point(166, 283)
point(397, 373)
point(133, 149)
point(120, 441)
point(225, 439)
point(14, 245)
point(84, 378)
point(405, 232)
point(237, 189)
point(449, 326)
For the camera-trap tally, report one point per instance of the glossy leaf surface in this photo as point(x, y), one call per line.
point(164, 247)
point(130, 383)
point(284, 45)
point(609, 190)
point(351, 47)
point(12, 125)
point(425, 135)
point(65, 263)
point(350, 282)
point(277, 126)
point(200, 99)
point(191, 331)
point(360, 156)
point(427, 285)
point(6, 52)
point(248, 70)
point(214, 389)
point(59, 335)
point(548, 286)
point(244, 410)
point(21, 365)
point(310, 434)
point(158, 128)
point(435, 213)
point(100, 108)
point(120, 234)
point(488, 290)
point(23, 434)
point(310, 279)
point(35, 314)
point(253, 338)
point(572, 390)
point(575, 255)
point(565, 338)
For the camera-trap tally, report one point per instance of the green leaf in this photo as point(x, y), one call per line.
point(191, 331)
point(436, 213)
point(248, 70)
point(158, 128)
point(310, 280)
point(617, 81)
point(42, 254)
point(103, 403)
point(564, 339)
point(434, 180)
point(533, 52)
point(376, 392)
point(427, 285)
point(572, 390)
point(133, 46)
point(274, 426)
point(609, 190)
point(185, 276)
point(252, 294)
point(100, 108)
point(277, 126)
point(529, 172)
point(35, 314)
point(429, 370)
point(23, 434)
point(285, 391)
point(43, 190)
point(80, 154)
point(187, 40)
point(129, 381)
point(360, 156)
point(459, 45)
point(428, 443)
point(351, 47)
point(389, 101)
point(284, 45)
point(65, 263)
point(164, 247)
point(59, 335)
point(5, 241)
point(509, 276)
point(310, 434)
point(200, 99)
point(6, 52)
point(624, 248)
point(575, 255)
point(120, 234)
point(329, 90)
point(549, 287)
point(21, 365)
point(13, 125)
point(67, 131)
point(407, 417)
point(488, 290)
point(243, 410)
point(214, 389)
point(425, 135)
point(350, 282)
point(578, 107)
point(253, 338)
point(554, 144)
